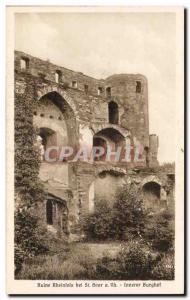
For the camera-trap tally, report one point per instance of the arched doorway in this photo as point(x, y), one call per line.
point(108, 92)
point(113, 112)
point(151, 195)
point(57, 214)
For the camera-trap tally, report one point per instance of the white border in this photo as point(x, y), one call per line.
point(180, 111)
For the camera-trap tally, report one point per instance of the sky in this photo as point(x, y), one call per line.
point(102, 44)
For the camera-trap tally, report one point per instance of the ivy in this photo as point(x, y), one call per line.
point(28, 188)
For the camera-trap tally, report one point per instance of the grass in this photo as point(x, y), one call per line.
point(79, 261)
point(74, 261)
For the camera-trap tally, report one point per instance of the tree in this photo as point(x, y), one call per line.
point(126, 217)
point(159, 230)
point(129, 213)
point(98, 224)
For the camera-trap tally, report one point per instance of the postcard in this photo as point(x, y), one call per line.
point(95, 150)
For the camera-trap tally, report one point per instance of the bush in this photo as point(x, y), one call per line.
point(126, 218)
point(28, 238)
point(160, 231)
point(128, 213)
point(107, 269)
point(98, 225)
point(164, 269)
point(135, 262)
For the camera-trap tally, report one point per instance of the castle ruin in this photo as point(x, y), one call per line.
point(76, 110)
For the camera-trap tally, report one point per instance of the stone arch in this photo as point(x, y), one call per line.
point(153, 187)
point(58, 115)
point(111, 133)
point(59, 101)
point(151, 178)
point(98, 127)
point(152, 192)
point(112, 141)
point(109, 168)
point(43, 90)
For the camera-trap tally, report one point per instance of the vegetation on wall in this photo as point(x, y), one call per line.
point(28, 189)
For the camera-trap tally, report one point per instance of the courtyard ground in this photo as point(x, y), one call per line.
point(68, 261)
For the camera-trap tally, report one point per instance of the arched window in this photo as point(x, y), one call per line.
point(24, 63)
point(74, 84)
point(58, 76)
point(113, 112)
point(86, 89)
point(49, 212)
point(100, 90)
point(108, 92)
point(138, 86)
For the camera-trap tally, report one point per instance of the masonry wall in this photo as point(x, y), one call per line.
point(46, 70)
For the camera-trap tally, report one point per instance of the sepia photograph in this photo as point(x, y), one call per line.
point(94, 118)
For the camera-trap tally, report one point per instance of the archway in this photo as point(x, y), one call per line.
point(108, 92)
point(152, 195)
point(113, 112)
point(110, 140)
point(55, 113)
